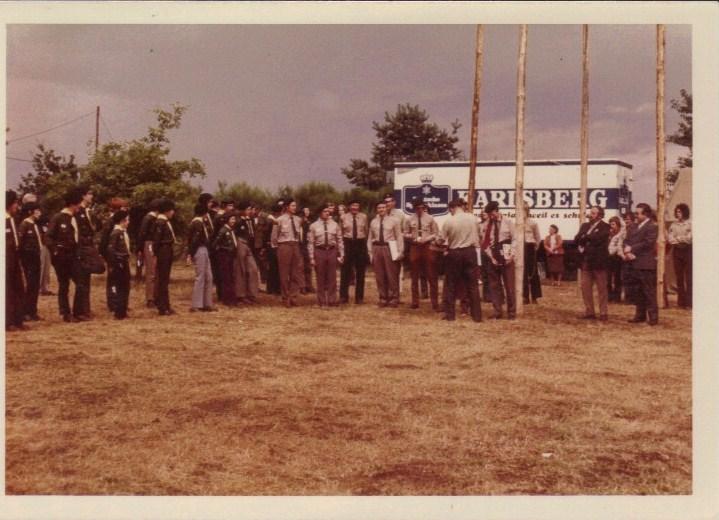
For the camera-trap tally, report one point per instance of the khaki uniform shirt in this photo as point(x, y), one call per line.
point(347, 221)
point(420, 231)
point(391, 230)
point(325, 234)
point(460, 230)
point(283, 232)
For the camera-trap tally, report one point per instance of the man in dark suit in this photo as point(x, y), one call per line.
point(62, 239)
point(14, 286)
point(640, 252)
point(593, 243)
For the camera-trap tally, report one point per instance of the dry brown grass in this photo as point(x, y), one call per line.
point(264, 401)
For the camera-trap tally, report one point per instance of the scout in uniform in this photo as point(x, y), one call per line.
point(87, 227)
point(286, 241)
point(499, 242)
point(163, 238)
point(459, 232)
point(247, 276)
point(382, 230)
point(273, 268)
point(304, 232)
point(117, 254)
point(326, 248)
point(398, 214)
point(354, 233)
point(30, 251)
point(225, 247)
point(14, 286)
point(108, 226)
point(62, 240)
point(146, 252)
point(198, 245)
point(421, 230)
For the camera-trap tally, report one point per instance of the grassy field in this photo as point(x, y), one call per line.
point(355, 400)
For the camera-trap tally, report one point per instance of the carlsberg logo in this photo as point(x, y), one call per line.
point(556, 198)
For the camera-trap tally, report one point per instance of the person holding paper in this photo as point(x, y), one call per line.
point(385, 245)
point(499, 243)
point(420, 230)
point(459, 232)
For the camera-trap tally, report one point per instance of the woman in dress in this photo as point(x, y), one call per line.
point(555, 255)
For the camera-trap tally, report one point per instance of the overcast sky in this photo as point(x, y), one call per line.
point(286, 104)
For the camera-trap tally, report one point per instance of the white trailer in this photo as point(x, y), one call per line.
point(551, 188)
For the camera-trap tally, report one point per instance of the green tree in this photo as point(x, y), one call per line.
point(406, 135)
point(683, 136)
point(243, 192)
point(313, 194)
point(51, 177)
point(140, 170)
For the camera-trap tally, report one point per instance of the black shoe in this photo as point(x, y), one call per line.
point(414, 306)
point(359, 302)
point(588, 317)
point(653, 322)
point(82, 317)
point(344, 301)
point(120, 316)
point(497, 316)
point(448, 318)
point(209, 309)
point(603, 317)
point(636, 319)
point(150, 304)
point(69, 318)
point(511, 317)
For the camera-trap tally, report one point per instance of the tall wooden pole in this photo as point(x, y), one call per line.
point(661, 166)
point(475, 116)
point(97, 128)
point(584, 129)
point(519, 176)
point(584, 137)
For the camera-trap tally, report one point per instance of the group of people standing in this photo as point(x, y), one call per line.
point(234, 248)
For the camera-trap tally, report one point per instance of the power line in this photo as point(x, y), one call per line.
point(107, 128)
point(50, 129)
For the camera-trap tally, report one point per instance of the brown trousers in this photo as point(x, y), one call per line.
point(598, 277)
point(150, 261)
point(423, 262)
point(291, 267)
point(247, 276)
point(386, 273)
point(326, 269)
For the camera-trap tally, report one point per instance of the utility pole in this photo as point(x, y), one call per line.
point(519, 175)
point(475, 116)
point(661, 166)
point(97, 128)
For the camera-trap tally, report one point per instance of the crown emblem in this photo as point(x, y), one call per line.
point(426, 178)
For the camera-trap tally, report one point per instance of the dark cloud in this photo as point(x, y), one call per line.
point(285, 104)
